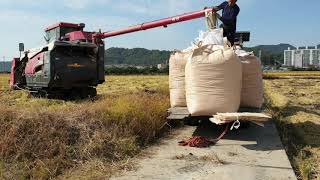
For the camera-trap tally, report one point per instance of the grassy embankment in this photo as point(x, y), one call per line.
point(42, 139)
point(295, 105)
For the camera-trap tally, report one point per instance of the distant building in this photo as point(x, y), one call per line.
point(140, 67)
point(302, 57)
point(297, 59)
point(161, 66)
point(289, 57)
point(5, 66)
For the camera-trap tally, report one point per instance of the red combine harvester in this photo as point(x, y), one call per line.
point(72, 62)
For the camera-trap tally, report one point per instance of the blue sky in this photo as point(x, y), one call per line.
point(270, 21)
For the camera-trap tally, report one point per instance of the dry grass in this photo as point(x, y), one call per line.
point(295, 104)
point(301, 74)
point(88, 139)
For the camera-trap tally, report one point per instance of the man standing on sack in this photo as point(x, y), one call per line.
point(230, 11)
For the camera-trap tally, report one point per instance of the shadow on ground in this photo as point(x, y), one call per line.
point(266, 138)
point(252, 136)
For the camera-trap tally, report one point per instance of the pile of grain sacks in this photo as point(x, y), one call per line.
point(211, 77)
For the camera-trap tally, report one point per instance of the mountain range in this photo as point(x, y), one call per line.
point(275, 49)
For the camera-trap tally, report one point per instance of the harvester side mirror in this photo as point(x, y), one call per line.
point(21, 47)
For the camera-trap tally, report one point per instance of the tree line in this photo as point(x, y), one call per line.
point(153, 70)
point(136, 56)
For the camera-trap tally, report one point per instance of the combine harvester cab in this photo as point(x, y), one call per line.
point(62, 68)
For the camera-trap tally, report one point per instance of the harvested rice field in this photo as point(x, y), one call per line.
point(295, 105)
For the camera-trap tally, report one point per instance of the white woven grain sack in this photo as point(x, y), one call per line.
point(252, 84)
point(213, 81)
point(177, 63)
point(213, 36)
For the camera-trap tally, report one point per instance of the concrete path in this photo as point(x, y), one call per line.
point(249, 153)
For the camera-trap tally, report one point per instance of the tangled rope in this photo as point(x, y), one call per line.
point(202, 142)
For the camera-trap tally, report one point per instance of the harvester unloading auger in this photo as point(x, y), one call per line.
point(72, 62)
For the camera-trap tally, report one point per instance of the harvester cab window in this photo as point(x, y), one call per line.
point(58, 33)
point(50, 35)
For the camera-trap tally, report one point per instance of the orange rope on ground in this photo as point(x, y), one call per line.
point(202, 142)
